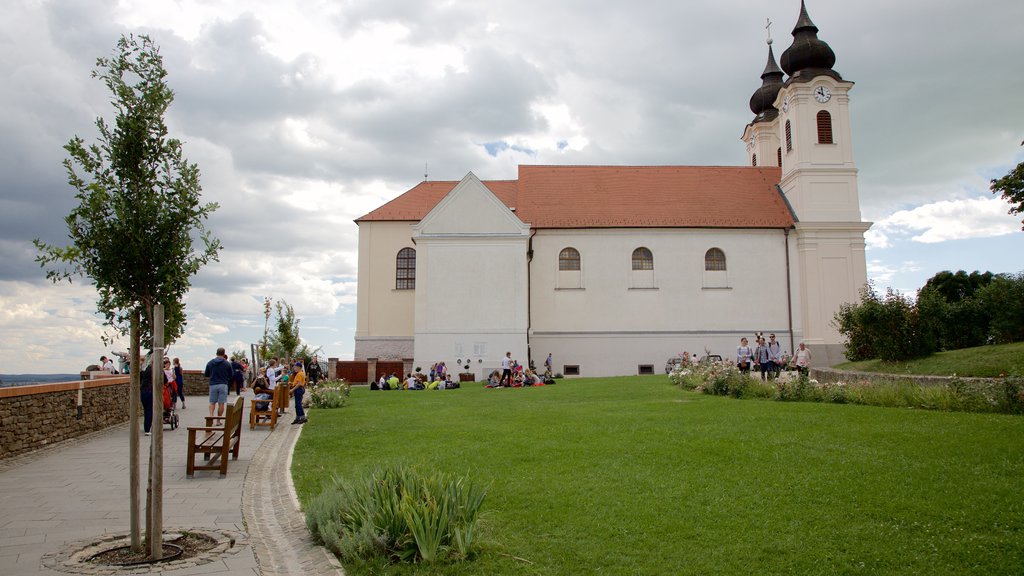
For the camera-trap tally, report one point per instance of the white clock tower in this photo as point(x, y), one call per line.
point(819, 180)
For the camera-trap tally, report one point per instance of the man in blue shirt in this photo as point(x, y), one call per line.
point(219, 372)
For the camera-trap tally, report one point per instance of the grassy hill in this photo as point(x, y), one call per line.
point(983, 361)
point(635, 476)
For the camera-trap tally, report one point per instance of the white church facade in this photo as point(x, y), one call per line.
point(614, 269)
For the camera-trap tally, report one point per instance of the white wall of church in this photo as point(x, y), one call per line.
point(384, 314)
point(471, 301)
point(609, 326)
point(471, 291)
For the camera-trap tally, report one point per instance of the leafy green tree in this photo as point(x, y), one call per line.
point(1003, 299)
point(881, 327)
point(285, 341)
point(133, 233)
point(958, 286)
point(1011, 187)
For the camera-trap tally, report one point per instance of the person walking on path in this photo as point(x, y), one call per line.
point(506, 370)
point(802, 359)
point(179, 382)
point(763, 359)
point(146, 397)
point(218, 370)
point(774, 356)
point(298, 388)
point(548, 365)
point(743, 356)
point(237, 376)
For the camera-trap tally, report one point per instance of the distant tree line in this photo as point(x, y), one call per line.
point(951, 311)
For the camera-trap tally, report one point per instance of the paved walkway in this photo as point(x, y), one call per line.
point(78, 491)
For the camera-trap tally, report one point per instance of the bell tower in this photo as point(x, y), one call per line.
point(762, 134)
point(819, 180)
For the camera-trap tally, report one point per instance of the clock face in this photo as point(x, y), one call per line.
point(785, 104)
point(822, 94)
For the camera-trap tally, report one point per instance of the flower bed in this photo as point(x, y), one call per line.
point(724, 379)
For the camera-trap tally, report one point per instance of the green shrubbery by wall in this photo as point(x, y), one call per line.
point(951, 311)
point(1004, 395)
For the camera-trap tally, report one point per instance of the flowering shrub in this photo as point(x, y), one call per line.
point(717, 378)
point(328, 394)
point(724, 379)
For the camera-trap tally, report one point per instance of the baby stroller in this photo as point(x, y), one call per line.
point(170, 392)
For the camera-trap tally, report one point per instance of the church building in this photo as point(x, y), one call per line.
point(615, 269)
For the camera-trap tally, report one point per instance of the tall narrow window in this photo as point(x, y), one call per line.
point(569, 259)
point(779, 154)
point(714, 259)
point(405, 269)
point(789, 138)
point(753, 160)
point(824, 127)
point(643, 259)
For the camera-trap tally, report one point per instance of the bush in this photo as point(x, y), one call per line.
point(1004, 396)
point(329, 394)
point(716, 378)
point(398, 514)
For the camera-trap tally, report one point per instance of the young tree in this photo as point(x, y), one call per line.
point(138, 217)
point(285, 340)
point(1011, 187)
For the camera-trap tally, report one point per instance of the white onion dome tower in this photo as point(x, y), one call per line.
point(808, 56)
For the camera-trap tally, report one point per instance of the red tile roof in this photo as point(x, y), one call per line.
point(621, 197)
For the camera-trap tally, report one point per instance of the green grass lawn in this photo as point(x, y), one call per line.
point(983, 361)
point(635, 476)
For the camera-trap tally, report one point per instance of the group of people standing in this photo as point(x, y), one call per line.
point(768, 357)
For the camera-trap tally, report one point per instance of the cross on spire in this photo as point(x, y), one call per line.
point(768, 27)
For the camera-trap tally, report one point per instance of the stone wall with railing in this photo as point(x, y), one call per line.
point(36, 416)
point(39, 415)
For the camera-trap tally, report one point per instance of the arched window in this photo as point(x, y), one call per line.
point(643, 259)
point(779, 154)
point(569, 259)
point(714, 259)
point(824, 127)
point(405, 269)
point(753, 160)
point(789, 138)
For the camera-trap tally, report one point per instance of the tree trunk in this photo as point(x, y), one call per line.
point(133, 435)
point(156, 460)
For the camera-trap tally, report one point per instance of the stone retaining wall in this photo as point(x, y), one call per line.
point(35, 416)
point(834, 375)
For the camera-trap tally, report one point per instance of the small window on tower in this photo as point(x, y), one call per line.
point(753, 160)
point(824, 127)
point(789, 138)
point(779, 154)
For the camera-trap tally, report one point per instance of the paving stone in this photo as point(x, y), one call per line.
point(76, 491)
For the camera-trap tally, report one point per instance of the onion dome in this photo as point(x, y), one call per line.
point(771, 83)
point(808, 56)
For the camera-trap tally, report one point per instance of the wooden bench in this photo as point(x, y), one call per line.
point(282, 403)
point(268, 415)
point(216, 442)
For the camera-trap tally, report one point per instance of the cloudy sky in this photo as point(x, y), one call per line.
point(305, 115)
